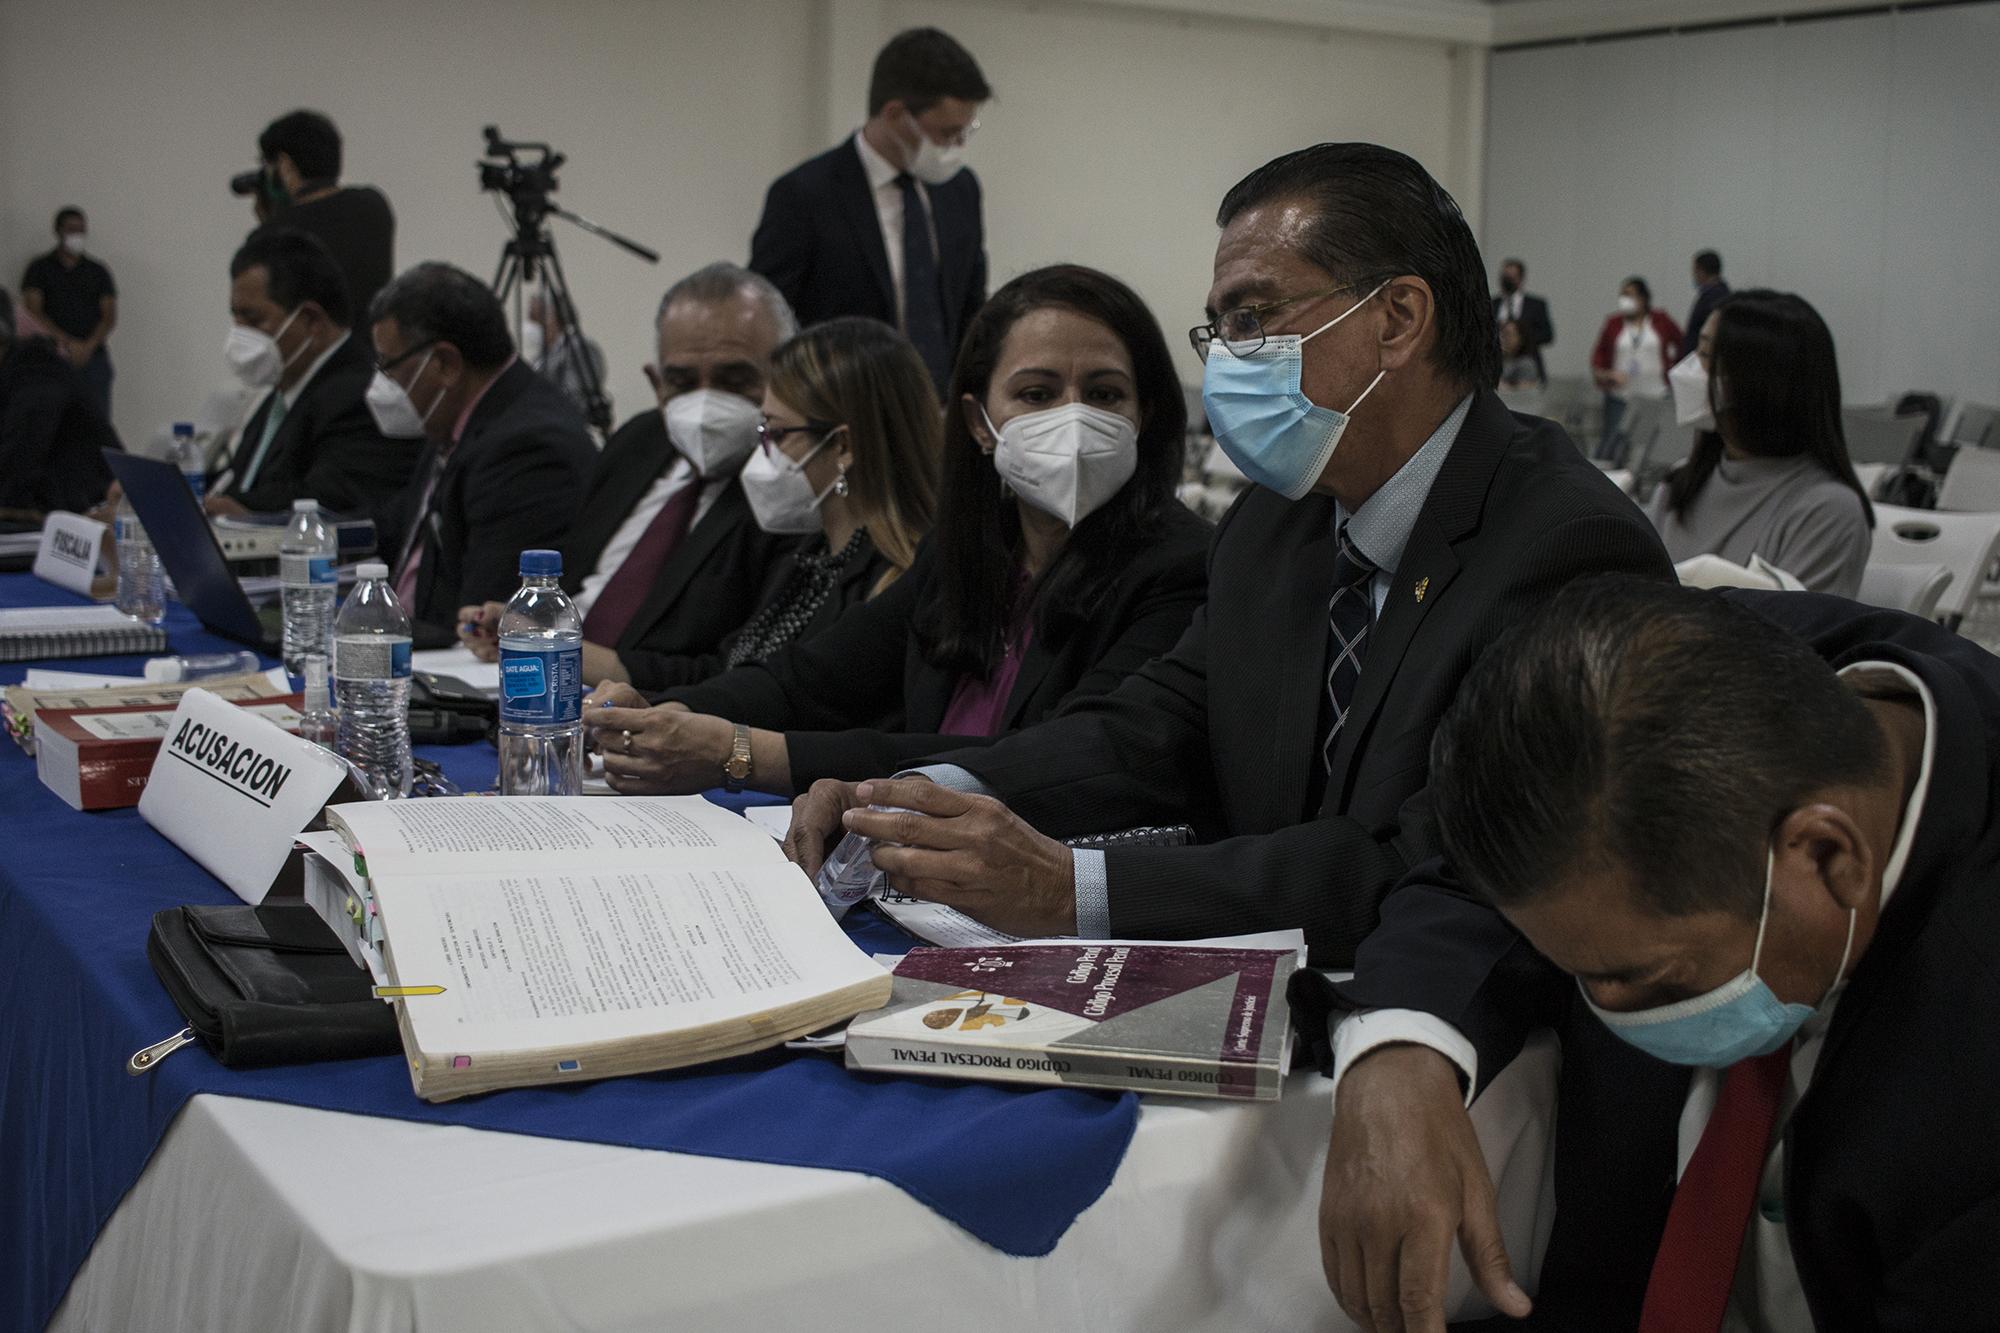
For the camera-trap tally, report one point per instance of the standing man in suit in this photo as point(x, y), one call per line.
point(665, 559)
point(888, 223)
point(1530, 313)
point(1710, 291)
point(1402, 518)
point(505, 457)
point(1750, 856)
point(312, 436)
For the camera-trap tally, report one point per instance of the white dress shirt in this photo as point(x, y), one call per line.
point(882, 174)
point(677, 477)
point(254, 464)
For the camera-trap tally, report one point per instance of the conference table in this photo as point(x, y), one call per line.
point(255, 1214)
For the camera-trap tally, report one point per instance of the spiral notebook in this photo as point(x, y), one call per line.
point(33, 633)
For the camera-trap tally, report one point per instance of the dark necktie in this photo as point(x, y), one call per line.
point(623, 592)
point(1696, 1263)
point(923, 298)
point(1349, 616)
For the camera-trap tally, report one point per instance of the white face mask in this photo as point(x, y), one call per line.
point(931, 162)
point(389, 403)
point(1689, 382)
point(780, 496)
point(1628, 306)
point(1068, 460)
point(531, 341)
point(72, 241)
point(254, 356)
point(714, 430)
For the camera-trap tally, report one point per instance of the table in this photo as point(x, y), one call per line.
point(257, 1215)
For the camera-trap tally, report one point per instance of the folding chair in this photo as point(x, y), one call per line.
point(1965, 544)
point(1912, 588)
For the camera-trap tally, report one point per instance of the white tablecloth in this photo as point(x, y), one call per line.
point(260, 1216)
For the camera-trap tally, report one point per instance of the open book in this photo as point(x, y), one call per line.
point(554, 939)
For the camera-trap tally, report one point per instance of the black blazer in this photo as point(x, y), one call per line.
point(1892, 1171)
point(706, 589)
point(1706, 300)
point(327, 447)
point(860, 701)
point(1223, 732)
point(820, 243)
point(513, 483)
point(50, 432)
point(1536, 326)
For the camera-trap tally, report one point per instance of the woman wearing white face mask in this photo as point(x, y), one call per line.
point(1059, 562)
point(1634, 349)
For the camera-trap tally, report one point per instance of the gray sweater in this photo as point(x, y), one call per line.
point(1788, 510)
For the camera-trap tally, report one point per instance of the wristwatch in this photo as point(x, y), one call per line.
point(736, 768)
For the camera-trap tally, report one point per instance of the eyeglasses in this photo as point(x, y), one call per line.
point(959, 140)
point(386, 366)
point(1243, 327)
point(773, 437)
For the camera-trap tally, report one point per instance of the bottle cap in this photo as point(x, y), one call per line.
point(305, 506)
point(183, 428)
point(541, 564)
point(161, 670)
point(372, 569)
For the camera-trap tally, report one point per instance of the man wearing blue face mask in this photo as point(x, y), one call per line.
point(1754, 830)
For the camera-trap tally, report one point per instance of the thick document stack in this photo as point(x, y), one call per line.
point(558, 939)
point(1197, 1022)
point(32, 633)
point(100, 758)
point(22, 702)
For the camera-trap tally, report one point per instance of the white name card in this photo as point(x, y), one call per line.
point(232, 790)
point(68, 554)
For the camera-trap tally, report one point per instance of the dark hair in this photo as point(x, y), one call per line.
point(963, 622)
point(1519, 267)
point(1708, 263)
point(1645, 291)
point(1775, 374)
point(64, 214)
point(297, 268)
point(1378, 214)
point(436, 302)
point(1636, 725)
point(309, 139)
point(920, 67)
point(6, 316)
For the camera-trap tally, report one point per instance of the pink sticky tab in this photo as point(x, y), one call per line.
point(461, 1062)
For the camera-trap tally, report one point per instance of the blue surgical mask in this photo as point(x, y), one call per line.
point(1276, 436)
point(1738, 1020)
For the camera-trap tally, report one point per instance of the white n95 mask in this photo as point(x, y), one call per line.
point(780, 497)
point(389, 403)
point(254, 356)
point(531, 342)
point(714, 430)
point(1068, 460)
point(1689, 381)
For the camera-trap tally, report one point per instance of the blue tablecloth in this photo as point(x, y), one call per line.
point(77, 894)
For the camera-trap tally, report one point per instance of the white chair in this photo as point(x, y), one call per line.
point(1871, 476)
point(1974, 425)
point(1874, 435)
point(1912, 588)
point(1972, 482)
point(1965, 544)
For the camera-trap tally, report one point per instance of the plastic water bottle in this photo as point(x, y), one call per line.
point(193, 666)
point(371, 671)
point(848, 874)
point(316, 722)
point(308, 583)
point(188, 458)
point(142, 581)
point(541, 685)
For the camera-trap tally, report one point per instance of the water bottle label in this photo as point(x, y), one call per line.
point(196, 483)
point(299, 571)
point(540, 686)
point(371, 657)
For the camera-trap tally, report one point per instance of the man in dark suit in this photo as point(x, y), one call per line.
point(1756, 829)
point(1710, 291)
point(665, 559)
point(311, 437)
point(888, 224)
point(1291, 724)
point(1523, 308)
point(506, 454)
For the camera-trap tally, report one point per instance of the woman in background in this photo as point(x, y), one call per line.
point(1634, 349)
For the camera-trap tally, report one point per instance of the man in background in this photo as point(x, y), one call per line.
point(1710, 291)
point(1526, 311)
point(50, 428)
point(311, 437)
point(562, 354)
point(888, 223)
point(300, 187)
point(74, 298)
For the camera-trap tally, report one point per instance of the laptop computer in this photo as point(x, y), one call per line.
point(180, 532)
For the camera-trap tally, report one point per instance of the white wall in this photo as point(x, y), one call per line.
point(1116, 130)
point(1854, 161)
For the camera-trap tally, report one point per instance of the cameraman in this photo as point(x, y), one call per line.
point(299, 186)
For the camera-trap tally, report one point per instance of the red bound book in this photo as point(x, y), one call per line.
point(99, 758)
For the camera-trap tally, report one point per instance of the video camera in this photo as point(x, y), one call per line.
point(248, 182)
point(528, 183)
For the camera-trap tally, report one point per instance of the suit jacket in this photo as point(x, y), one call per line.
point(327, 447)
point(1223, 731)
point(1892, 1173)
point(1706, 300)
point(704, 591)
point(512, 483)
point(1536, 327)
point(820, 242)
point(861, 701)
point(51, 432)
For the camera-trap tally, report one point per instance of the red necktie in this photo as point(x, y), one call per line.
point(627, 588)
point(1696, 1263)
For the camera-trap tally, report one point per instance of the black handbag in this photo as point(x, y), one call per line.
point(268, 985)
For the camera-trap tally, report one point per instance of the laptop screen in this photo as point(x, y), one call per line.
point(180, 533)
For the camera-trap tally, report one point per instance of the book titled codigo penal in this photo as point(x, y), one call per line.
point(1194, 1021)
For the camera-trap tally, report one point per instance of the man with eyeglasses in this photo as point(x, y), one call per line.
point(665, 559)
point(505, 454)
point(888, 223)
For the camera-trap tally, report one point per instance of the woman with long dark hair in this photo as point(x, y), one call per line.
point(1060, 560)
point(1769, 474)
